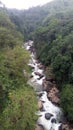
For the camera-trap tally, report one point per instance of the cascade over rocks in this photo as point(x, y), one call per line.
point(49, 115)
point(40, 75)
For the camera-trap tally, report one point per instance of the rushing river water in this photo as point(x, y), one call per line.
point(50, 116)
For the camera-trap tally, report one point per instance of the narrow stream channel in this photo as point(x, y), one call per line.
point(49, 117)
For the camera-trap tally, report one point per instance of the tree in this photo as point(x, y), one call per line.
point(20, 112)
point(67, 101)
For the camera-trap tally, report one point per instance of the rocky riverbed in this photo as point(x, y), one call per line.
point(50, 116)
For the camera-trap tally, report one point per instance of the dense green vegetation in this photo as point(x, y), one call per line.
point(28, 20)
point(54, 47)
point(67, 100)
point(17, 99)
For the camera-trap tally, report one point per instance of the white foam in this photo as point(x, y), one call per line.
point(40, 81)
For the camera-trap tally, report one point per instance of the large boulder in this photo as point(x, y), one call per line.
point(54, 90)
point(41, 66)
point(65, 127)
point(47, 85)
point(48, 116)
point(53, 95)
point(55, 100)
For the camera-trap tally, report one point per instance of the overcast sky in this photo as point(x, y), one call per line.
point(24, 4)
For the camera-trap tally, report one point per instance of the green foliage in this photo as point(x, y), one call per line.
point(54, 46)
point(67, 101)
point(71, 74)
point(17, 100)
point(12, 63)
point(28, 20)
point(4, 20)
point(19, 114)
point(61, 66)
point(9, 38)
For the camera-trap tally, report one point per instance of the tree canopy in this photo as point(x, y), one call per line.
point(17, 99)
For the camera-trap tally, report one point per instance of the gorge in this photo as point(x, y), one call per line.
point(36, 78)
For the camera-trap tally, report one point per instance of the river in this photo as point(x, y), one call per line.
point(50, 116)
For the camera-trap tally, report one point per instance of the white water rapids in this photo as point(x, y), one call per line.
point(52, 112)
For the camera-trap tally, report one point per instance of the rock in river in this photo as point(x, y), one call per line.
point(48, 116)
point(47, 85)
point(53, 120)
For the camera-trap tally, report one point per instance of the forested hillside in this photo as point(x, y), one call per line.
point(28, 20)
point(14, 91)
point(54, 47)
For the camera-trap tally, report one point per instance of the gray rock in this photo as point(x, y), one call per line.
point(48, 116)
point(53, 120)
